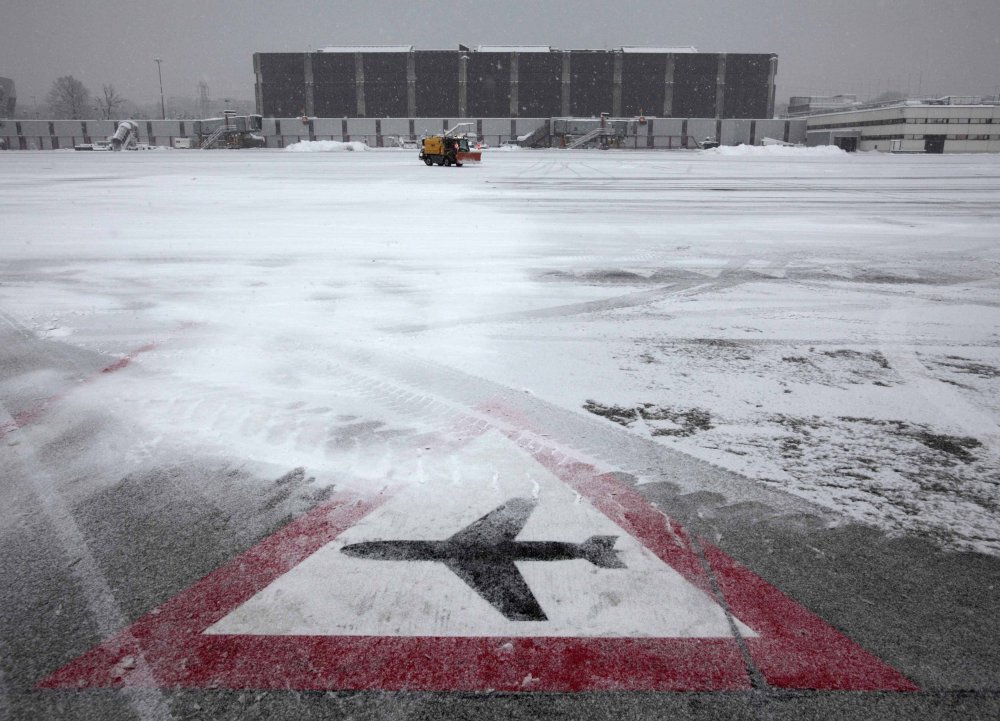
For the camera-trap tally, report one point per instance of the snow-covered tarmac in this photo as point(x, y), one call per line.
point(764, 381)
point(822, 323)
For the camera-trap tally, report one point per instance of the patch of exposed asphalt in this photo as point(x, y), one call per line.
point(874, 356)
point(667, 274)
point(898, 475)
point(835, 367)
point(959, 364)
point(618, 276)
point(661, 420)
point(958, 446)
point(843, 365)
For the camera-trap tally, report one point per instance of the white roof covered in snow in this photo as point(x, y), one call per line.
point(672, 49)
point(367, 49)
point(514, 49)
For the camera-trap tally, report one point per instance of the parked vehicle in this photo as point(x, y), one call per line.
point(450, 148)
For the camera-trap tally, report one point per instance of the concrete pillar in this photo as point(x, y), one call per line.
point(770, 85)
point(411, 84)
point(463, 85)
point(359, 82)
point(616, 85)
point(720, 86)
point(668, 88)
point(258, 84)
point(310, 103)
point(566, 83)
point(513, 86)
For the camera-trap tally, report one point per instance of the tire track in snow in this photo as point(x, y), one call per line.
point(36, 412)
point(953, 407)
point(453, 398)
point(692, 286)
point(149, 704)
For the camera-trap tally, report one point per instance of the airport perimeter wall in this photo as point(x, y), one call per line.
point(657, 133)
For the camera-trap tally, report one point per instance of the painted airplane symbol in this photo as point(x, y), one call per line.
point(483, 554)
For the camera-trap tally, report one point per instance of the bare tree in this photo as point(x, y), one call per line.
point(110, 102)
point(68, 98)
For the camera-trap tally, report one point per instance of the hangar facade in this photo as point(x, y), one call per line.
point(514, 82)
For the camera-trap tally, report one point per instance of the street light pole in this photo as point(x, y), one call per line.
point(163, 108)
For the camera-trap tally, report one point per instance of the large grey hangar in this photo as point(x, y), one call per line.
point(514, 81)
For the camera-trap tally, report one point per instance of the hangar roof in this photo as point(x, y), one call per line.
point(367, 49)
point(673, 49)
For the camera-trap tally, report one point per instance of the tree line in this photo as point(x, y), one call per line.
point(70, 99)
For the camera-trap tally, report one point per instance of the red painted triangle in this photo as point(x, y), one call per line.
point(794, 649)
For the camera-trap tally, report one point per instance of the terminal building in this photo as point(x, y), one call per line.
point(8, 98)
point(940, 125)
point(514, 82)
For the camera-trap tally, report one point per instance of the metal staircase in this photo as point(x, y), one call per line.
point(537, 137)
point(590, 137)
point(214, 137)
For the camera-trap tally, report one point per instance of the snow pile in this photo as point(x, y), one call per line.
point(507, 148)
point(325, 146)
point(772, 150)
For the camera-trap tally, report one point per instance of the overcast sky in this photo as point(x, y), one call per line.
point(825, 46)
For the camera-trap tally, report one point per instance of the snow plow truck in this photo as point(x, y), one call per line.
point(450, 148)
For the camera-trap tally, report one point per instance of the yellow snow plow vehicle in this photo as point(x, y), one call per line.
point(448, 149)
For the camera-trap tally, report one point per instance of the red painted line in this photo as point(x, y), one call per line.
point(29, 416)
point(156, 635)
point(123, 362)
point(795, 649)
point(25, 417)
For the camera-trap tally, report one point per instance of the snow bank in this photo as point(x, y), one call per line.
point(325, 146)
point(771, 150)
